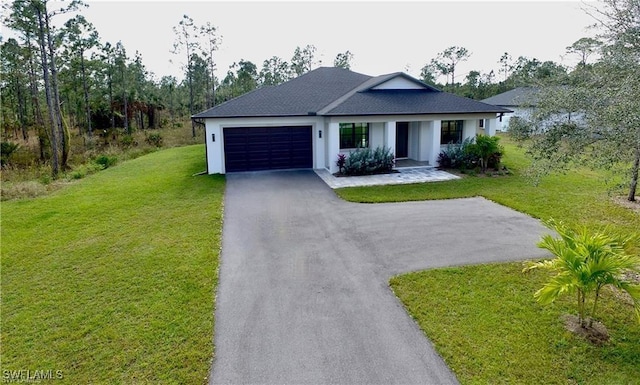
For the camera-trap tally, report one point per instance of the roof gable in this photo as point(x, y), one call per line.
point(398, 81)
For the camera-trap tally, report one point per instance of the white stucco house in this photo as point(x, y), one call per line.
point(522, 102)
point(306, 122)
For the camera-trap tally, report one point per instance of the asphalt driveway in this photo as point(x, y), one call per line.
point(303, 295)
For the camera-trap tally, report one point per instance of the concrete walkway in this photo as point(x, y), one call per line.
point(303, 296)
point(404, 175)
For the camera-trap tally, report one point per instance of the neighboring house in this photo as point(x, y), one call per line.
point(306, 122)
point(521, 100)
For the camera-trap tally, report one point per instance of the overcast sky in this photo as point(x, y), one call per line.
point(383, 36)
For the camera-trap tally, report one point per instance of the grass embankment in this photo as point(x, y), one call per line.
point(25, 176)
point(484, 320)
point(112, 279)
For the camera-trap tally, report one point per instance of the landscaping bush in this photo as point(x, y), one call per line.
point(342, 159)
point(154, 139)
point(481, 152)
point(364, 161)
point(484, 149)
point(457, 156)
point(106, 161)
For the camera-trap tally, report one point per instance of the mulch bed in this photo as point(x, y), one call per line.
point(597, 334)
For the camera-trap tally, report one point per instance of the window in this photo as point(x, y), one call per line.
point(451, 131)
point(353, 135)
point(481, 123)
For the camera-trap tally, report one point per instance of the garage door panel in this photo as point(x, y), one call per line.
point(268, 148)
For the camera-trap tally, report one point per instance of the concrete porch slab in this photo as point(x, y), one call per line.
point(404, 175)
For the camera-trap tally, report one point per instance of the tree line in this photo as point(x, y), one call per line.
point(58, 79)
point(62, 81)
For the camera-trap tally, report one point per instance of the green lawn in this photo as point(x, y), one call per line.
point(578, 197)
point(485, 323)
point(484, 320)
point(112, 279)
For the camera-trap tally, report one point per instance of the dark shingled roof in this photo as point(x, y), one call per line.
point(335, 91)
point(514, 98)
point(409, 102)
point(307, 93)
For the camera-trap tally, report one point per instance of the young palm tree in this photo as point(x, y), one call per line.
point(586, 262)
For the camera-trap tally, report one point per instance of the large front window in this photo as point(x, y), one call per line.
point(451, 131)
point(354, 135)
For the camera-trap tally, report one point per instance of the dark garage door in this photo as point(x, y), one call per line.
point(267, 148)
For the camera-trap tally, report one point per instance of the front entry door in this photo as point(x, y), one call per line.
point(402, 139)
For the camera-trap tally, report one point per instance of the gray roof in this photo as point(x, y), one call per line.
point(330, 91)
point(410, 102)
point(514, 98)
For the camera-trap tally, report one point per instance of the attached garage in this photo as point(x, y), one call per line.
point(267, 148)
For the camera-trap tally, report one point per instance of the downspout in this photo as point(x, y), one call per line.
point(200, 121)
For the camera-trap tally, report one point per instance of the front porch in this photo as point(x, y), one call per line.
point(414, 143)
point(410, 163)
point(405, 175)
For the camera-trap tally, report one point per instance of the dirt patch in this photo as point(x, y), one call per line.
point(597, 333)
point(624, 202)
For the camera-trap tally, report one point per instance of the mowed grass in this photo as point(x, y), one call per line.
point(580, 196)
point(484, 320)
point(112, 279)
point(485, 323)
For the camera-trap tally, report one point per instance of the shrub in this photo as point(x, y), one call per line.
point(364, 161)
point(485, 148)
point(154, 139)
point(457, 156)
point(128, 141)
point(6, 149)
point(106, 161)
point(482, 151)
point(342, 158)
point(88, 169)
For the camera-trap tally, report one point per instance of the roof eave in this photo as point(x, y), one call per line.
point(418, 113)
point(254, 116)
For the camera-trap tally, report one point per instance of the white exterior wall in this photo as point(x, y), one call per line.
point(424, 135)
point(376, 135)
point(326, 144)
point(490, 126)
point(215, 147)
point(414, 140)
point(390, 136)
point(469, 128)
point(521, 112)
point(433, 141)
point(333, 146)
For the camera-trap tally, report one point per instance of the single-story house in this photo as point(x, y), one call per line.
point(306, 122)
point(521, 101)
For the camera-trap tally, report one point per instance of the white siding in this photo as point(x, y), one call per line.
point(398, 83)
point(376, 135)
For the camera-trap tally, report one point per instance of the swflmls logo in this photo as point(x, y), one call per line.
point(28, 375)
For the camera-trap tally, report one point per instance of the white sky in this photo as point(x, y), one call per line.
point(383, 36)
